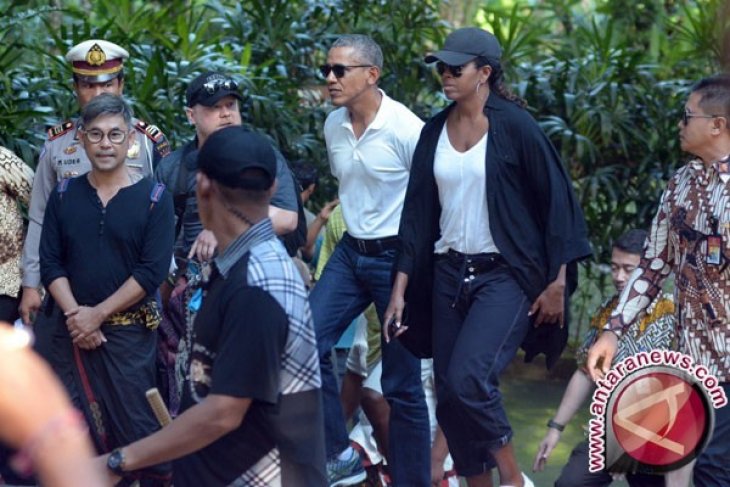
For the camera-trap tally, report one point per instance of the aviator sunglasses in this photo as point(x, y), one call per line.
point(340, 69)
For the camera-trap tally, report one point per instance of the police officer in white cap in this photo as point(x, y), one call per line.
point(98, 67)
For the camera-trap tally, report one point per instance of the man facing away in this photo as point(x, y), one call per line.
point(98, 67)
point(690, 236)
point(251, 402)
point(370, 142)
point(105, 248)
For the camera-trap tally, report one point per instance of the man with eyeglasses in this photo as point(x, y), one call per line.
point(105, 249)
point(690, 237)
point(370, 142)
point(98, 67)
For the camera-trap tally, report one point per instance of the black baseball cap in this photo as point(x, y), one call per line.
point(463, 45)
point(230, 151)
point(210, 87)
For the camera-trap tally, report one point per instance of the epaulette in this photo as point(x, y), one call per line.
point(58, 130)
point(151, 131)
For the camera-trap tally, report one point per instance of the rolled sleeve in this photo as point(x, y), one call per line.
point(285, 196)
point(154, 261)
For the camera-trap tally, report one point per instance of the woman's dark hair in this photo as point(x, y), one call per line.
point(496, 80)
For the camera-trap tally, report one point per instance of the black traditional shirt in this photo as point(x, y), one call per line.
point(99, 247)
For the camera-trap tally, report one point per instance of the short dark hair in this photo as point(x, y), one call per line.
point(106, 104)
point(714, 94)
point(632, 242)
point(368, 51)
point(305, 173)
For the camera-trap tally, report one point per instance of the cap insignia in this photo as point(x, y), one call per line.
point(96, 56)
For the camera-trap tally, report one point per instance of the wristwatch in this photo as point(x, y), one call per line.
point(555, 425)
point(115, 462)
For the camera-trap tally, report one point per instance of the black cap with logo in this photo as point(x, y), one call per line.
point(210, 87)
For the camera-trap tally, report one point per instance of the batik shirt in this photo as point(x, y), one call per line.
point(15, 180)
point(695, 206)
point(655, 330)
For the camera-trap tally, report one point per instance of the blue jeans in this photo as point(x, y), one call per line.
point(479, 321)
point(349, 283)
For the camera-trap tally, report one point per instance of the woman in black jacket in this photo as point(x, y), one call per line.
point(489, 228)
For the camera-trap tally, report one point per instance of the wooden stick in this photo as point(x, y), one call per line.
point(158, 407)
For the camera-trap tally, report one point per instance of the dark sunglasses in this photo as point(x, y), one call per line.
point(455, 71)
point(686, 116)
point(226, 84)
point(340, 69)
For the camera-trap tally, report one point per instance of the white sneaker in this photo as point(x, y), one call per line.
point(526, 481)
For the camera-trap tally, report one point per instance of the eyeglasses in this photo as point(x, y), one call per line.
point(454, 70)
point(212, 86)
point(115, 136)
point(686, 116)
point(340, 69)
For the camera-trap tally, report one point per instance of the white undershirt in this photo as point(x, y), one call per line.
point(462, 185)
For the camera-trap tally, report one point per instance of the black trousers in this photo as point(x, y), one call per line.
point(9, 308)
point(576, 474)
point(479, 319)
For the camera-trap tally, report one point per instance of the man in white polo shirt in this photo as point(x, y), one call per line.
point(370, 142)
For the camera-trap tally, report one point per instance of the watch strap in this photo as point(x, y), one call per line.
point(555, 425)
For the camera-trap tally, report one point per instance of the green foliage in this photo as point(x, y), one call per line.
point(608, 85)
point(605, 78)
point(273, 47)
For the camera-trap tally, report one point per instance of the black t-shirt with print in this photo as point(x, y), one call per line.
point(238, 340)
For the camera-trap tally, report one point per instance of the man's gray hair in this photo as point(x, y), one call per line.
point(106, 104)
point(368, 51)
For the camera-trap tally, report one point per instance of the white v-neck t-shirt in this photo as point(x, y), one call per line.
point(462, 187)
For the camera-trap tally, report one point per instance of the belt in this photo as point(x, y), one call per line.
point(470, 265)
point(475, 263)
point(371, 247)
point(147, 314)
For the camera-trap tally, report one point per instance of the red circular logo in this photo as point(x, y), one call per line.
point(660, 419)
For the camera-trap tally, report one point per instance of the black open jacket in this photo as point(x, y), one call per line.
point(534, 219)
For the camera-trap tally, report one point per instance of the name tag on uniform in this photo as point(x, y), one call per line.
point(714, 248)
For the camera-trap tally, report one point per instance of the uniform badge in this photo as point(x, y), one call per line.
point(70, 174)
point(70, 149)
point(133, 151)
point(96, 56)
